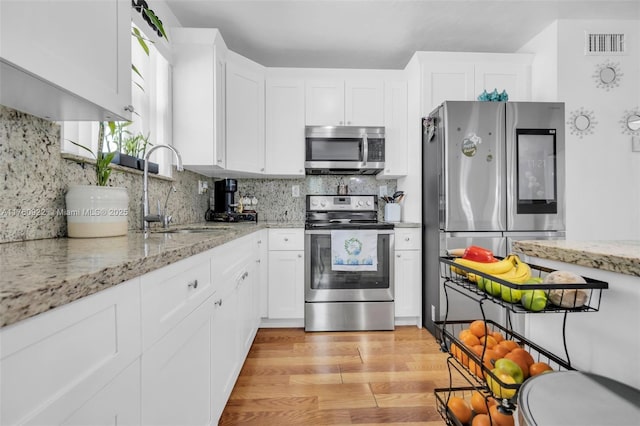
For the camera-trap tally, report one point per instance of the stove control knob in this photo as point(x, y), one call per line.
point(323, 203)
point(314, 203)
point(360, 203)
point(369, 203)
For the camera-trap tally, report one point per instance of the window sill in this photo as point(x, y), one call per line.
point(85, 160)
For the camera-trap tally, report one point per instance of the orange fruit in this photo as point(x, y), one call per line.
point(526, 355)
point(470, 340)
point(478, 328)
point(490, 341)
point(497, 335)
point(460, 409)
point(520, 359)
point(509, 344)
point(489, 358)
point(463, 332)
point(478, 403)
point(498, 418)
point(539, 367)
point(500, 350)
point(481, 420)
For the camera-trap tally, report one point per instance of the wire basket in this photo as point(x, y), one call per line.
point(565, 297)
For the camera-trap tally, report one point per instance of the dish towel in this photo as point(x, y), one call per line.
point(354, 250)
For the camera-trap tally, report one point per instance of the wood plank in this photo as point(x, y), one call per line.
point(369, 378)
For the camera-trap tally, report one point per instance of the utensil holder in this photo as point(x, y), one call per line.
point(392, 212)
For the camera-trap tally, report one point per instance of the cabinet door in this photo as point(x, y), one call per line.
point(247, 308)
point(225, 357)
point(395, 122)
point(83, 48)
point(199, 56)
point(176, 373)
point(118, 403)
point(54, 363)
point(263, 274)
point(324, 101)
point(514, 78)
point(245, 116)
point(364, 103)
point(408, 278)
point(286, 284)
point(446, 82)
point(284, 153)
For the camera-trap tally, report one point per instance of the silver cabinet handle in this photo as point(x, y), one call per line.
point(407, 239)
point(129, 108)
point(300, 256)
point(398, 255)
point(286, 239)
point(218, 302)
point(193, 284)
point(258, 261)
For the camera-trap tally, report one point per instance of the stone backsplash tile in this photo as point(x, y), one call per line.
point(35, 178)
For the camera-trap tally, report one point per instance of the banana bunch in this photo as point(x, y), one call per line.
point(511, 269)
point(491, 268)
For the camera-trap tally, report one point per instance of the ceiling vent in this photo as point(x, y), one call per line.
point(604, 44)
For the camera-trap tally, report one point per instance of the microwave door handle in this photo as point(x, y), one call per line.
point(365, 149)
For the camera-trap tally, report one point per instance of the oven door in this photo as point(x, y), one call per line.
point(323, 284)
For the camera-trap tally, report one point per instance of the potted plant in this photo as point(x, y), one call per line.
point(97, 210)
point(118, 133)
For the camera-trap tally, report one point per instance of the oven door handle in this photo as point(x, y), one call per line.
point(328, 231)
point(365, 149)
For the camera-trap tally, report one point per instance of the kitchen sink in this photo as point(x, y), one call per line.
point(191, 230)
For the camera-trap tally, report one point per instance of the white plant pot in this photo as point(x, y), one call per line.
point(96, 211)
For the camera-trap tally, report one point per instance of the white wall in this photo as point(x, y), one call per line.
point(603, 174)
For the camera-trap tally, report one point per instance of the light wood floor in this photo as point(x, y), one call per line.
point(295, 378)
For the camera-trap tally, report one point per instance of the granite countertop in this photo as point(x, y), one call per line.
point(615, 256)
point(40, 275)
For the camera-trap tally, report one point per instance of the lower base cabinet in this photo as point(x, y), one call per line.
point(118, 403)
point(176, 373)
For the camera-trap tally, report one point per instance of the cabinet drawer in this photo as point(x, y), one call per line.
point(169, 294)
point(230, 261)
point(408, 239)
point(286, 239)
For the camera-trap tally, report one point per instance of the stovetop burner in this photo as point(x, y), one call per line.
point(246, 216)
point(343, 212)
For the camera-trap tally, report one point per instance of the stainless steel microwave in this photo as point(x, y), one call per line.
point(344, 150)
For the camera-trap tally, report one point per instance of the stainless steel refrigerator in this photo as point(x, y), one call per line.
point(493, 172)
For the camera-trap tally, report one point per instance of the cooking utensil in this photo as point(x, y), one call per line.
point(343, 189)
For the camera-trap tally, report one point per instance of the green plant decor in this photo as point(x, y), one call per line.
point(103, 159)
point(136, 145)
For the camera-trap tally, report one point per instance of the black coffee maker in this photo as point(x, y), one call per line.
point(224, 209)
point(224, 195)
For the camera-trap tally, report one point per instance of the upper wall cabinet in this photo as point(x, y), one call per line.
point(199, 103)
point(284, 154)
point(66, 60)
point(245, 114)
point(353, 102)
point(464, 76)
point(395, 124)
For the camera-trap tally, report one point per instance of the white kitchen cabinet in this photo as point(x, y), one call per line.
point(236, 317)
point(396, 132)
point(176, 306)
point(284, 153)
point(199, 98)
point(245, 115)
point(176, 376)
point(408, 272)
point(66, 60)
point(464, 76)
point(357, 102)
point(54, 364)
point(118, 403)
point(263, 273)
point(171, 293)
point(286, 273)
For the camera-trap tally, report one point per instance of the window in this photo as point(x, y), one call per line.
point(151, 98)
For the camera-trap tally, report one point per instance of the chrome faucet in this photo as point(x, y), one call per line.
point(161, 216)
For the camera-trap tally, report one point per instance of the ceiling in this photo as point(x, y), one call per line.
point(381, 34)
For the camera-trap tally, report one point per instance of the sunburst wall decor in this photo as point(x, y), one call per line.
point(581, 122)
point(630, 122)
point(607, 75)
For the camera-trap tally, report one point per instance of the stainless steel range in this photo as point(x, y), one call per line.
point(348, 265)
